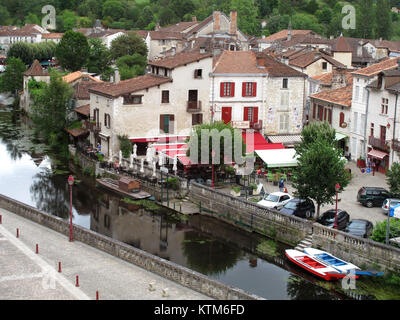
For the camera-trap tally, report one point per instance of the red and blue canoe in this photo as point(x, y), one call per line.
point(313, 265)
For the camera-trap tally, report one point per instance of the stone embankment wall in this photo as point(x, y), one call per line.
point(157, 265)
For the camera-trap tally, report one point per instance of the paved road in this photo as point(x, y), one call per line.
point(348, 198)
point(26, 275)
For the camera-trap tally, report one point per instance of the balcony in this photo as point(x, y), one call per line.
point(378, 143)
point(193, 106)
point(92, 125)
point(396, 145)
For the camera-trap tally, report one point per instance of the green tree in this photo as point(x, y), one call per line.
point(114, 9)
point(32, 19)
point(99, 60)
point(304, 21)
point(366, 19)
point(73, 51)
point(4, 15)
point(324, 16)
point(383, 19)
point(145, 18)
point(125, 145)
point(21, 50)
point(69, 20)
point(285, 7)
point(312, 6)
point(181, 7)
point(379, 232)
point(127, 45)
point(50, 109)
point(320, 165)
point(393, 179)
point(131, 66)
point(12, 80)
point(167, 16)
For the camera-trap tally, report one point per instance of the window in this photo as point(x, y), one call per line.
point(285, 83)
point(107, 120)
point(167, 123)
point(330, 116)
point(136, 99)
point(314, 110)
point(284, 100)
point(165, 72)
point(355, 121)
point(227, 89)
point(197, 118)
point(284, 122)
point(250, 114)
point(249, 89)
point(198, 73)
point(372, 129)
point(324, 65)
point(320, 112)
point(165, 96)
point(384, 106)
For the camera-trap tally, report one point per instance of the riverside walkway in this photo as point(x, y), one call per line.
point(30, 272)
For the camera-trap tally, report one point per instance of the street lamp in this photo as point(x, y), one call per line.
point(70, 182)
point(337, 188)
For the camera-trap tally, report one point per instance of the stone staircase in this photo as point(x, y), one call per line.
point(305, 243)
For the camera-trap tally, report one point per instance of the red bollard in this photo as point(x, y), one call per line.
point(37, 248)
point(59, 267)
point(17, 233)
point(97, 295)
point(77, 281)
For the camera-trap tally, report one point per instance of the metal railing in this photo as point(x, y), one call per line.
point(378, 143)
point(193, 106)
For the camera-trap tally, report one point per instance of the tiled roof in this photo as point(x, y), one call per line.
point(307, 58)
point(77, 132)
point(127, 86)
point(201, 25)
point(85, 109)
point(36, 70)
point(378, 67)
point(71, 77)
point(52, 35)
point(341, 45)
point(179, 59)
point(166, 35)
point(179, 27)
point(341, 96)
point(246, 62)
point(82, 89)
point(283, 34)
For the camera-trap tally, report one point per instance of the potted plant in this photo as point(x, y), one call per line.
point(361, 162)
point(235, 191)
point(254, 189)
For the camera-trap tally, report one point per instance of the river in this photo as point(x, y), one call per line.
point(31, 174)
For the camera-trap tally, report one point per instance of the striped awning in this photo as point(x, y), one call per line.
point(286, 140)
point(377, 154)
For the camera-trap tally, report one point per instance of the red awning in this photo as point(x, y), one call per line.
point(259, 143)
point(377, 154)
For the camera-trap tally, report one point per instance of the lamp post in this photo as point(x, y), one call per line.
point(212, 169)
point(70, 182)
point(337, 188)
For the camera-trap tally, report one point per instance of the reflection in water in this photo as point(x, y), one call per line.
point(200, 243)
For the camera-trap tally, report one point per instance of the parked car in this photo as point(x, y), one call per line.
point(275, 200)
point(303, 208)
point(372, 196)
point(328, 219)
point(360, 228)
point(391, 202)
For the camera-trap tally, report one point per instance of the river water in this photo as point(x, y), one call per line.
point(30, 174)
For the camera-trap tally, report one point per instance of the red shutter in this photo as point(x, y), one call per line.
point(232, 89)
point(255, 114)
point(314, 110)
point(243, 89)
point(330, 116)
point(325, 112)
point(341, 120)
point(162, 123)
point(254, 89)
point(221, 93)
point(246, 114)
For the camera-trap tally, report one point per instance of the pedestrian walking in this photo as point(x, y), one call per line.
point(281, 185)
point(373, 167)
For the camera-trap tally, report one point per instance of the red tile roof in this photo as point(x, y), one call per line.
point(374, 69)
point(341, 96)
point(307, 58)
point(341, 45)
point(180, 59)
point(283, 34)
point(115, 90)
point(36, 70)
point(85, 110)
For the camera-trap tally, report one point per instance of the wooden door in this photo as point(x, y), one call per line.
point(226, 114)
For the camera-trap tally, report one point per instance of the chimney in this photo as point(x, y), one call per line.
point(233, 24)
point(157, 27)
point(117, 76)
point(331, 37)
point(194, 19)
point(289, 32)
point(217, 21)
point(260, 61)
point(338, 78)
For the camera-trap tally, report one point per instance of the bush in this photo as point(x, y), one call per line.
point(173, 183)
point(379, 232)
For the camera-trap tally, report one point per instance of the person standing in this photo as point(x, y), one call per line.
point(281, 185)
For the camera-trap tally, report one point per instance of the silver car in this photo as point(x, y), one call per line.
point(389, 203)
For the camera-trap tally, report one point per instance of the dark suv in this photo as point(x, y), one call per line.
point(372, 196)
point(328, 218)
point(303, 208)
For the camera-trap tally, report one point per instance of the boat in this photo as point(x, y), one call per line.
point(125, 187)
point(313, 265)
point(338, 264)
